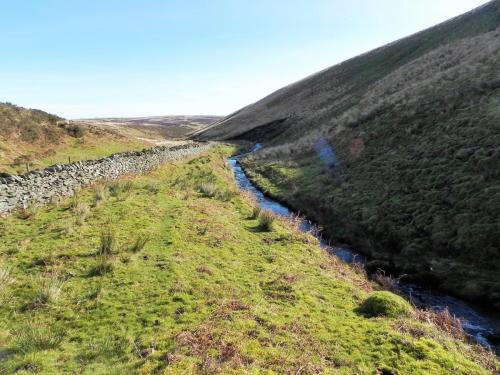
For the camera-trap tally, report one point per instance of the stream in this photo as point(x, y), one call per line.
point(484, 327)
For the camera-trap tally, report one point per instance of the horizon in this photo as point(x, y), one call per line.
point(88, 60)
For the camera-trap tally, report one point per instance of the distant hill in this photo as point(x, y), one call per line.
point(31, 138)
point(28, 125)
point(411, 134)
point(158, 127)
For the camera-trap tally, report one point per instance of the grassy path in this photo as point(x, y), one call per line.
point(172, 273)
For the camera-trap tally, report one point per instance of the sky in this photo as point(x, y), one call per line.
point(126, 58)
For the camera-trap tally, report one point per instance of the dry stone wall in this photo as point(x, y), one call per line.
point(37, 187)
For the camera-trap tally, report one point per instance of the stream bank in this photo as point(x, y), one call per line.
point(482, 326)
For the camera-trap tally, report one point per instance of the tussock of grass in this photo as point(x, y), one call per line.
point(81, 211)
point(102, 266)
point(109, 347)
point(211, 190)
point(266, 220)
point(28, 212)
point(444, 320)
point(208, 190)
point(139, 243)
point(100, 194)
point(114, 188)
point(152, 187)
point(48, 291)
point(255, 211)
point(5, 278)
point(97, 291)
point(107, 243)
point(119, 187)
point(37, 336)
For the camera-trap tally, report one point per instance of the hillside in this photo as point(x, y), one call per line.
point(37, 138)
point(336, 93)
point(155, 129)
point(176, 272)
point(395, 152)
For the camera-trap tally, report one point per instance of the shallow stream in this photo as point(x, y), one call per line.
point(482, 326)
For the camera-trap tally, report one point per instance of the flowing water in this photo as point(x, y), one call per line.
point(483, 327)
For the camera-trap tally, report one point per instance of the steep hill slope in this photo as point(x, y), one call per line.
point(37, 138)
point(396, 152)
point(326, 97)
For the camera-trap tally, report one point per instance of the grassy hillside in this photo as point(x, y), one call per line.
point(396, 152)
point(40, 139)
point(174, 272)
point(324, 98)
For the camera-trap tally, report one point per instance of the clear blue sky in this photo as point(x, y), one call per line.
point(97, 58)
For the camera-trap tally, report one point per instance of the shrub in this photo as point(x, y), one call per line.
point(266, 220)
point(74, 130)
point(385, 303)
point(35, 336)
point(139, 243)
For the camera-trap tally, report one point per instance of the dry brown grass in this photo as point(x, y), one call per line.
point(28, 212)
point(386, 282)
point(446, 322)
point(207, 342)
point(205, 269)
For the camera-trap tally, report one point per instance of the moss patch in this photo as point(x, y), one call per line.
point(385, 303)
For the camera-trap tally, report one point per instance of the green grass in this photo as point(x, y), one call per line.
point(77, 150)
point(74, 149)
point(208, 293)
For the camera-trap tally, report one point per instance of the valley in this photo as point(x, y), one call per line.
point(347, 223)
point(158, 130)
point(396, 153)
point(177, 271)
